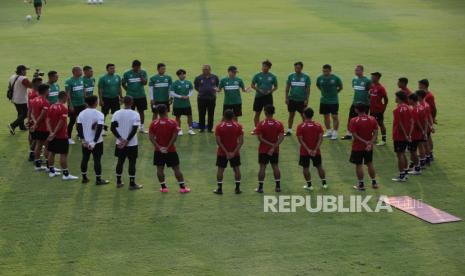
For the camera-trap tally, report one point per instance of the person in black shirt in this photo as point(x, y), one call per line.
point(207, 86)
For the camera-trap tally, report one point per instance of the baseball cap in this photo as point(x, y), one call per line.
point(21, 68)
point(376, 74)
point(232, 68)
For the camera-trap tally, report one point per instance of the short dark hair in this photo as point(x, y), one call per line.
point(300, 63)
point(267, 63)
point(160, 65)
point(327, 66)
point(425, 82)
point(228, 114)
point(62, 95)
point(401, 96)
point(87, 67)
point(91, 100)
point(136, 63)
point(51, 73)
point(43, 88)
point(360, 66)
point(403, 80)
point(361, 107)
point(127, 100)
point(308, 113)
point(180, 71)
point(269, 109)
point(162, 109)
point(421, 94)
point(110, 65)
point(413, 97)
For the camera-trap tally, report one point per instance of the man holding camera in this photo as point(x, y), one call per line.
point(17, 93)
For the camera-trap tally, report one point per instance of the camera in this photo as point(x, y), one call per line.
point(38, 73)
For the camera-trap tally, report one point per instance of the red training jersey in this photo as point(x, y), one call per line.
point(31, 95)
point(402, 113)
point(377, 94)
point(229, 133)
point(407, 91)
point(38, 104)
point(419, 121)
point(270, 129)
point(56, 113)
point(164, 129)
point(428, 114)
point(364, 126)
point(310, 132)
point(429, 98)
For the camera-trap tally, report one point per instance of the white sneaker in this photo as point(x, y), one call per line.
point(327, 134)
point(39, 169)
point(381, 143)
point(71, 141)
point(51, 175)
point(142, 130)
point(398, 179)
point(191, 132)
point(308, 188)
point(180, 133)
point(334, 136)
point(414, 172)
point(69, 177)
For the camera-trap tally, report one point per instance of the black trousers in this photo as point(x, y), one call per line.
point(206, 106)
point(21, 109)
point(132, 165)
point(72, 118)
point(96, 153)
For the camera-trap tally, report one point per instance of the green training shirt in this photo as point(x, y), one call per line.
point(161, 87)
point(329, 87)
point(264, 82)
point(53, 94)
point(361, 90)
point(76, 89)
point(135, 88)
point(110, 85)
point(232, 90)
point(89, 84)
point(181, 88)
point(298, 86)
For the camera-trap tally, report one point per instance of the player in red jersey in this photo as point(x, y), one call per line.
point(30, 96)
point(229, 137)
point(429, 99)
point(402, 134)
point(419, 136)
point(39, 108)
point(378, 104)
point(163, 133)
point(270, 133)
point(430, 128)
point(310, 135)
point(364, 128)
point(57, 124)
point(402, 84)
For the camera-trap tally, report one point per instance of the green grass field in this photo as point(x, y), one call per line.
point(50, 227)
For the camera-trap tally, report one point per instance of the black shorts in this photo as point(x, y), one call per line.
point(129, 152)
point(329, 109)
point(77, 109)
point(222, 161)
point(112, 104)
point(140, 104)
point(40, 135)
point(170, 159)
point(379, 116)
point(37, 5)
point(58, 146)
point(264, 158)
point(352, 113)
point(236, 108)
point(155, 103)
point(97, 151)
point(294, 106)
point(413, 146)
point(400, 146)
point(187, 111)
point(260, 102)
point(361, 157)
point(304, 161)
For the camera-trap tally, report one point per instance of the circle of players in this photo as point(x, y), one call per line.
point(47, 110)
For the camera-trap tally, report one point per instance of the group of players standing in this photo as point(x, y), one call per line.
point(48, 110)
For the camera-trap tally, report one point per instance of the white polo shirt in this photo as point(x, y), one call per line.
point(127, 119)
point(89, 118)
point(19, 90)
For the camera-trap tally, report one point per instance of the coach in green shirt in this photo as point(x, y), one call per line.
point(54, 87)
point(329, 85)
point(264, 83)
point(232, 86)
point(297, 93)
point(89, 81)
point(109, 91)
point(159, 89)
point(133, 82)
point(74, 86)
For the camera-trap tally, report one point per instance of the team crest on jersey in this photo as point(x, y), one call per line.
point(269, 78)
point(332, 81)
point(362, 83)
point(301, 79)
point(236, 82)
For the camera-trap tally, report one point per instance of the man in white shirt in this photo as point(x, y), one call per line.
point(19, 85)
point(124, 125)
point(90, 125)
